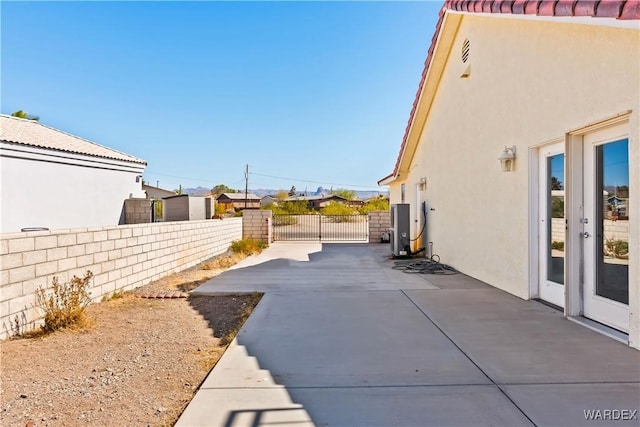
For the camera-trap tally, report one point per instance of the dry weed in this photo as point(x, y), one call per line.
point(64, 306)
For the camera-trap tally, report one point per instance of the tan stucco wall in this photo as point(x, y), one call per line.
point(530, 82)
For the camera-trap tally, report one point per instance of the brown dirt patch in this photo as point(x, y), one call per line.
point(139, 364)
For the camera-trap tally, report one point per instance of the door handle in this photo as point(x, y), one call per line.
point(586, 234)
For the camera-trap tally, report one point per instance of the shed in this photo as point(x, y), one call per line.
point(184, 207)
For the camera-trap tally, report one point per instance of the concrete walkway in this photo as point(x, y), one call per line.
point(341, 339)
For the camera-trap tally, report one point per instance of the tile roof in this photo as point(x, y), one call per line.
point(35, 134)
point(617, 9)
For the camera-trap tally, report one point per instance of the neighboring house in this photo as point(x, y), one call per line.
point(617, 207)
point(156, 193)
point(268, 201)
point(558, 83)
point(320, 201)
point(238, 201)
point(55, 180)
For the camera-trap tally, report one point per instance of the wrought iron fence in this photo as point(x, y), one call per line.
point(349, 228)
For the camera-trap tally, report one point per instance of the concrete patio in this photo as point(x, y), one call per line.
point(342, 339)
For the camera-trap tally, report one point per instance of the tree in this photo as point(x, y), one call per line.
point(24, 115)
point(281, 196)
point(292, 192)
point(343, 192)
point(221, 188)
point(179, 190)
point(556, 184)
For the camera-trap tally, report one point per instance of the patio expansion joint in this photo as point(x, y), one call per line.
point(354, 387)
point(569, 383)
point(469, 358)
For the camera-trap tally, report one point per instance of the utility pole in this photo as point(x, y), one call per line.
point(246, 185)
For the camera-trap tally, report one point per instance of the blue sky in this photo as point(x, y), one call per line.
point(310, 91)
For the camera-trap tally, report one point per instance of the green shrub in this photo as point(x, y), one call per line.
point(557, 245)
point(378, 204)
point(64, 306)
point(247, 246)
point(337, 208)
point(293, 207)
point(617, 248)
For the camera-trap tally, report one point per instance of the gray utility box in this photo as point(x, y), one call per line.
point(187, 208)
point(400, 229)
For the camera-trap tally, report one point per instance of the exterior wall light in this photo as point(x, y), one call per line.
point(508, 158)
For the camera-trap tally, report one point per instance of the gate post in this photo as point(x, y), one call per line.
point(320, 228)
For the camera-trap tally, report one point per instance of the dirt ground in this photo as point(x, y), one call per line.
point(138, 365)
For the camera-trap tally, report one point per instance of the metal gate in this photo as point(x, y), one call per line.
point(324, 228)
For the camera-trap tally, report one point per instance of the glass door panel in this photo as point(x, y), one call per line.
point(606, 226)
point(612, 221)
point(555, 219)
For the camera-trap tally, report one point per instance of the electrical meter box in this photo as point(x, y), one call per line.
point(400, 229)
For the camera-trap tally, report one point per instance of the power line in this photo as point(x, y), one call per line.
point(176, 176)
point(313, 182)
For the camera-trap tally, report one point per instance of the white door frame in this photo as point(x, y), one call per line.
point(574, 195)
point(547, 290)
point(601, 309)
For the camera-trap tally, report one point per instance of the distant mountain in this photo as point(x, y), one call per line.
point(261, 192)
point(197, 190)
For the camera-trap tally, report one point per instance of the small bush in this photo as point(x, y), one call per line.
point(557, 245)
point(64, 306)
point(617, 248)
point(336, 208)
point(293, 207)
point(247, 246)
point(378, 204)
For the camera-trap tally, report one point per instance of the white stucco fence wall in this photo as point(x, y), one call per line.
point(120, 257)
point(55, 190)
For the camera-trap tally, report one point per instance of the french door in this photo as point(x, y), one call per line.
point(552, 224)
point(605, 234)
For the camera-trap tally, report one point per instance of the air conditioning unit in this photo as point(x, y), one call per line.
point(400, 241)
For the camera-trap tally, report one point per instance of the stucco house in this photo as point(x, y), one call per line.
point(520, 100)
point(51, 179)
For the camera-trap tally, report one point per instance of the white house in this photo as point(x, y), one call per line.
point(519, 99)
point(55, 180)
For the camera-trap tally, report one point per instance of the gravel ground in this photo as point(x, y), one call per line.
point(139, 364)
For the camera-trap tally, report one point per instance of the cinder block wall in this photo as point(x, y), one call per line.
point(137, 211)
point(120, 257)
point(379, 222)
point(257, 225)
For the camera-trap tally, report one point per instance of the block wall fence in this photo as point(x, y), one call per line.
point(379, 222)
point(120, 258)
point(257, 225)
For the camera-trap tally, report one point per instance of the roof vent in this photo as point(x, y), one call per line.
point(465, 50)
